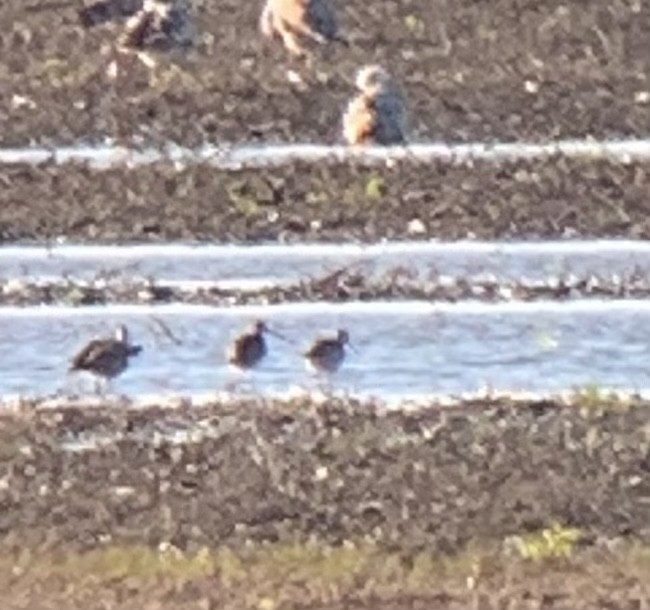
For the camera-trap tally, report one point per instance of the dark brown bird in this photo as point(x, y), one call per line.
point(108, 357)
point(327, 354)
point(160, 25)
point(247, 350)
point(108, 10)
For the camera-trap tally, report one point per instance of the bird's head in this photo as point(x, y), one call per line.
point(372, 78)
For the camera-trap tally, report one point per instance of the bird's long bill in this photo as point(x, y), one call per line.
point(278, 335)
point(352, 348)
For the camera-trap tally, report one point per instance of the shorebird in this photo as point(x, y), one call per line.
point(247, 350)
point(160, 25)
point(108, 10)
point(377, 114)
point(106, 358)
point(295, 21)
point(327, 354)
point(151, 23)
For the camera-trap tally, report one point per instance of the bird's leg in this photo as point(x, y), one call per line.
point(291, 43)
point(146, 59)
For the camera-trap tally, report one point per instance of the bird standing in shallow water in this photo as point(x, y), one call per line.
point(106, 358)
point(247, 350)
point(327, 355)
point(377, 114)
point(296, 20)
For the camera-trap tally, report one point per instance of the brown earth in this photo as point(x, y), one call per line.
point(306, 202)
point(511, 69)
point(433, 483)
point(420, 486)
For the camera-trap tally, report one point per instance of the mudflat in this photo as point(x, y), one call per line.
point(469, 489)
point(332, 504)
point(513, 69)
point(301, 201)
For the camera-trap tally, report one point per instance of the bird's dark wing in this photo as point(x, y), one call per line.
point(89, 354)
point(237, 349)
point(322, 19)
point(108, 10)
point(320, 348)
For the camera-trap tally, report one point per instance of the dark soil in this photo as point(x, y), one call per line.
point(411, 484)
point(346, 284)
point(258, 471)
point(435, 481)
point(584, 63)
point(306, 202)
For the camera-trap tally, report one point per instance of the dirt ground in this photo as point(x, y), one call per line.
point(306, 202)
point(440, 497)
point(512, 69)
point(257, 473)
point(505, 69)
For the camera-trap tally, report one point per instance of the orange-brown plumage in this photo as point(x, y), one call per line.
point(295, 21)
point(376, 115)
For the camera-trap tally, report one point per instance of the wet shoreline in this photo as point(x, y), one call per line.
point(344, 285)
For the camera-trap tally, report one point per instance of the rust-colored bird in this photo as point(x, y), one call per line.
point(108, 357)
point(377, 114)
point(296, 21)
point(327, 354)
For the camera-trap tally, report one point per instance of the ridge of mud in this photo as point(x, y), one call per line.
point(306, 202)
point(343, 285)
point(281, 472)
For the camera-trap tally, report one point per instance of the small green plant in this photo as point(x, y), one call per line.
point(591, 398)
point(415, 24)
point(590, 395)
point(374, 187)
point(553, 542)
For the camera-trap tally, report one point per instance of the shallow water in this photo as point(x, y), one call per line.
point(537, 261)
point(258, 155)
point(401, 349)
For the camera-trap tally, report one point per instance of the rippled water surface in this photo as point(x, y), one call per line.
point(403, 349)
point(274, 263)
point(400, 349)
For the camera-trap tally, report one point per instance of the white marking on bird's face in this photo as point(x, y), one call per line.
point(370, 78)
point(122, 334)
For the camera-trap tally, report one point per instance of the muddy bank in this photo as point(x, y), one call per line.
point(346, 284)
point(260, 471)
point(341, 505)
point(512, 70)
point(305, 202)
point(330, 578)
